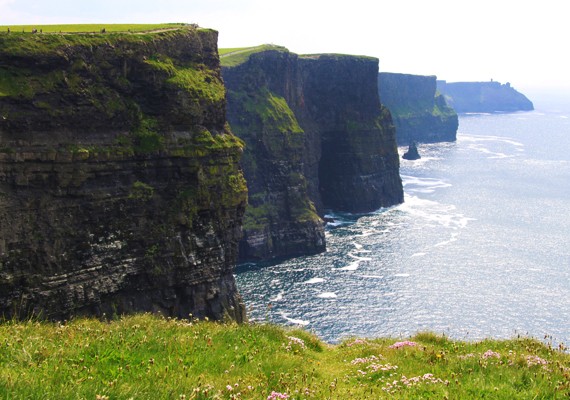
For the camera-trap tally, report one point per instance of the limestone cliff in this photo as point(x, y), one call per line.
point(420, 113)
point(120, 182)
point(485, 97)
point(316, 136)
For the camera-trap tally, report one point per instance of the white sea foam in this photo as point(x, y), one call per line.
point(402, 275)
point(418, 254)
point(373, 276)
point(359, 258)
point(414, 184)
point(314, 280)
point(432, 212)
point(563, 116)
point(358, 246)
point(295, 321)
point(278, 297)
point(445, 242)
point(476, 138)
point(351, 267)
point(431, 183)
point(327, 295)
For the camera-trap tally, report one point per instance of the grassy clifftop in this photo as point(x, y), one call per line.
point(232, 57)
point(149, 357)
point(87, 28)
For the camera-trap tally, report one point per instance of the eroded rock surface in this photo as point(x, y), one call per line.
point(420, 113)
point(316, 136)
point(120, 182)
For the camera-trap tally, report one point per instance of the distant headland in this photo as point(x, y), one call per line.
point(483, 97)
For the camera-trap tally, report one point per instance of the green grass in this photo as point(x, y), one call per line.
point(336, 56)
point(144, 357)
point(244, 54)
point(222, 52)
point(199, 81)
point(89, 28)
point(26, 44)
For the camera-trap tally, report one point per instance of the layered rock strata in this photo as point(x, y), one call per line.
point(483, 97)
point(316, 137)
point(420, 113)
point(120, 182)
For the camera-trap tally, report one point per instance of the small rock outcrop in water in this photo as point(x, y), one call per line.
point(120, 182)
point(483, 97)
point(412, 153)
point(419, 111)
point(316, 136)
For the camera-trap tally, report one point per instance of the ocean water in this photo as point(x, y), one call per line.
point(480, 247)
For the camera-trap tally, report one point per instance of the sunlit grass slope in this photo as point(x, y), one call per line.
point(230, 57)
point(73, 28)
point(146, 357)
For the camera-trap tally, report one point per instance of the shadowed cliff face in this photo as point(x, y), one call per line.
point(419, 112)
point(483, 97)
point(316, 136)
point(120, 179)
point(359, 168)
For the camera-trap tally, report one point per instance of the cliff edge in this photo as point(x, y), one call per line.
point(419, 111)
point(120, 182)
point(484, 97)
point(316, 137)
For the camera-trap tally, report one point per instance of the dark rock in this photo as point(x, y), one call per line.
point(420, 113)
point(412, 153)
point(316, 136)
point(120, 179)
point(483, 97)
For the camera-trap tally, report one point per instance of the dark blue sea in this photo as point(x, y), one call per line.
point(480, 247)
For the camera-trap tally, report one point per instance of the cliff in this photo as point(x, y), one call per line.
point(120, 182)
point(316, 137)
point(419, 111)
point(483, 97)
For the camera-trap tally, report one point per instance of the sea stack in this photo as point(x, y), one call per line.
point(412, 153)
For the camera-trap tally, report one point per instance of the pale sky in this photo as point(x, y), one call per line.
point(525, 43)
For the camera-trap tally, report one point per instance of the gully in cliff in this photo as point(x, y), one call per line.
point(120, 182)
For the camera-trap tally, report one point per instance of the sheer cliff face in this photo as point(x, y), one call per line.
point(483, 97)
point(419, 112)
point(120, 179)
point(316, 136)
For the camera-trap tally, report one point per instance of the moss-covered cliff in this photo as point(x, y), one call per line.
point(120, 182)
point(316, 136)
point(483, 97)
point(419, 111)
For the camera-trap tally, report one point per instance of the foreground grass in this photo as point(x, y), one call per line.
point(146, 357)
point(87, 28)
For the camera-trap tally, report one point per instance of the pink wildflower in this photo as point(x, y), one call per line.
point(489, 354)
point(276, 395)
point(397, 345)
point(535, 360)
